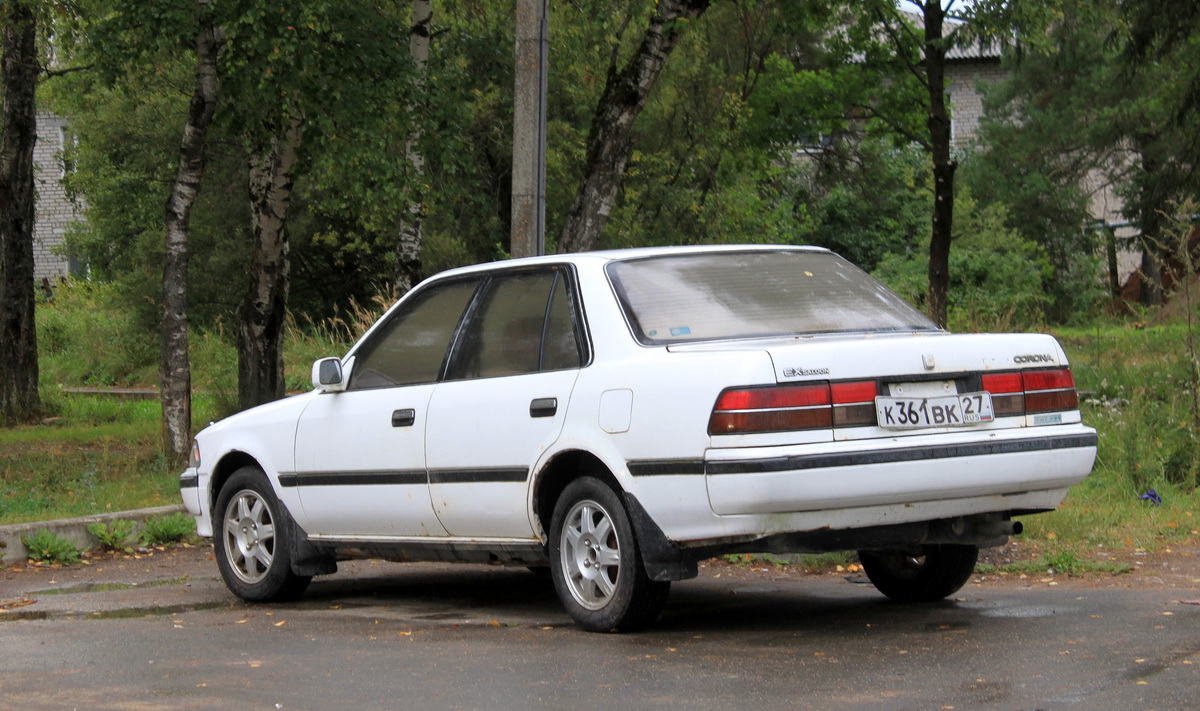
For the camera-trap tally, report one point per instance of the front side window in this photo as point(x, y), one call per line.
point(411, 347)
point(729, 295)
point(523, 324)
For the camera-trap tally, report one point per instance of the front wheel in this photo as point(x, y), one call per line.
point(252, 540)
point(595, 563)
point(932, 572)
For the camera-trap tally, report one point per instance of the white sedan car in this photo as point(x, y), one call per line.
point(619, 416)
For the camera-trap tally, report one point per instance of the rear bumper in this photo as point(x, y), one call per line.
point(900, 470)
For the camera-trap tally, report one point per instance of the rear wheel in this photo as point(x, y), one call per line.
point(252, 539)
point(595, 563)
point(930, 573)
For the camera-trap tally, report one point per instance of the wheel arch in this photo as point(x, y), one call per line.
point(228, 464)
point(663, 560)
point(560, 471)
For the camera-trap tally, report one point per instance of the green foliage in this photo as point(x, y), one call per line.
point(866, 199)
point(996, 277)
point(119, 535)
point(48, 547)
point(275, 62)
point(1078, 113)
point(714, 154)
point(160, 530)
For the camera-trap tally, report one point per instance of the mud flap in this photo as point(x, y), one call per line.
point(308, 560)
point(662, 559)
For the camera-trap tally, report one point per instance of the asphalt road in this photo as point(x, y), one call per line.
point(161, 632)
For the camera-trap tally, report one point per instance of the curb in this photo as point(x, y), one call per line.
point(13, 551)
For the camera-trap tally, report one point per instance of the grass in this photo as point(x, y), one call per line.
point(98, 456)
point(96, 453)
point(1136, 386)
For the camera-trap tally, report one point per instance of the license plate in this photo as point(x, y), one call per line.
point(961, 410)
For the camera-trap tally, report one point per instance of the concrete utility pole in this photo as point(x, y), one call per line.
point(529, 130)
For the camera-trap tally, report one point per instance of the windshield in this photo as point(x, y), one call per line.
point(729, 295)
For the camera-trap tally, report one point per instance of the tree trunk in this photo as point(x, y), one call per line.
point(610, 136)
point(174, 371)
point(1155, 248)
point(408, 246)
point(262, 314)
point(19, 398)
point(943, 165)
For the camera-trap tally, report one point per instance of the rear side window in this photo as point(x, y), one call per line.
point(523, 324)
point(728, 295)
point(411, 347)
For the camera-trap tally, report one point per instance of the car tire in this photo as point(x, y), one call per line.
point(252, 537)
point(595, 562)
point(933, 573)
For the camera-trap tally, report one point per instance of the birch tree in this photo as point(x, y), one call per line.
point(626, 89)
point(175, 375)
point(407, 270)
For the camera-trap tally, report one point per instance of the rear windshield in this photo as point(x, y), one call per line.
point(729, 295)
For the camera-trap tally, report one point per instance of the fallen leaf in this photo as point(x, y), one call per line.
point(281, 623)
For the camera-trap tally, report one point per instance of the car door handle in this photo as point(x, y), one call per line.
point(404, 418)
point(543, 407)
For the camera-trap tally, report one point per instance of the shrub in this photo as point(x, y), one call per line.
point(996, 277)
point(167, 529)
point(120, 535)
point(49, 547)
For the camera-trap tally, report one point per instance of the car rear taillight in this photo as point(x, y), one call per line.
point(794, 407)
point(1031, 391)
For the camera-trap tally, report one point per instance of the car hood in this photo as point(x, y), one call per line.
point(287, 408)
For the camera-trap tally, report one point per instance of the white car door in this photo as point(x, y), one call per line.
point(360, 454)
point(503, 403)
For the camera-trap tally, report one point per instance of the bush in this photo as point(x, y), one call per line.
point(48, 547)
point(996, 277)
point(119, 535)
point(160, 530)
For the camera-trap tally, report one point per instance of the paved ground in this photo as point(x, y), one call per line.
point(161, 631)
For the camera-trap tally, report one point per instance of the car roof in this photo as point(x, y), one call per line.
point(613, 255)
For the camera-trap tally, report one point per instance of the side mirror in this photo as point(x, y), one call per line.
point(328, 375)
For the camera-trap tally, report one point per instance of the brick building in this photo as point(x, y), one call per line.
point(55, 211)
point(971, 67)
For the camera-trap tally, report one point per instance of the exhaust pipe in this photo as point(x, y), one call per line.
point(996, 529)
point(985, 533)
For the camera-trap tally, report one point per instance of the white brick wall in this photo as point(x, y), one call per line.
point(962, 79)
point(54, 210)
